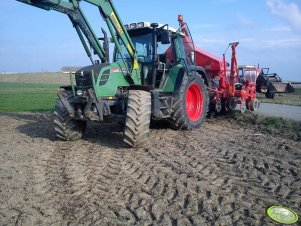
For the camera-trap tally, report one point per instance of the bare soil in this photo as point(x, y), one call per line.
point(219, 174)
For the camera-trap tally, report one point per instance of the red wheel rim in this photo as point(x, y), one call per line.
point(194, 102)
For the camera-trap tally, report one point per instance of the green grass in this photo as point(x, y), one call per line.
point(284, 98)
point(273, 125)
point(18, 97)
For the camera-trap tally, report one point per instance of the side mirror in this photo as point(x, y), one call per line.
point(165, 37)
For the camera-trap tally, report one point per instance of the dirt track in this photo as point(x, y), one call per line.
point(219, 174)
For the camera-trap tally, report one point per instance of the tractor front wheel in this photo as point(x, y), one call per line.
point(190, 105)
point(137, 118)
point(67, 128)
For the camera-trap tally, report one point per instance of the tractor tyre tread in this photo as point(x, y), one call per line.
point(65, 127)
point(179, 119)
point(138, 118)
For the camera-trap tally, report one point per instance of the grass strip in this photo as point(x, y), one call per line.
point(272, 125)
point(20, 97)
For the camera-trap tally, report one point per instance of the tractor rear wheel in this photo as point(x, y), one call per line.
point(137, 118)
point(67, 128)
point(190, 106)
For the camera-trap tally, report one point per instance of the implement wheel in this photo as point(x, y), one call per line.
point(137, 118)
point(190, 106)
point(67, 128)
point(254, 104)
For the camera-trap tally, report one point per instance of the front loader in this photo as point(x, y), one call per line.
point(143, 82)
point(271, 83)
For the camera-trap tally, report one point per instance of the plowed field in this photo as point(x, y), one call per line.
point(219, 174)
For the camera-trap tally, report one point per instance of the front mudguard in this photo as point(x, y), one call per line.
point(87, 102)
point(65, 102)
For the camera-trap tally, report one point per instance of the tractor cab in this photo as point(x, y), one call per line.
point(248, 74)
point(159, 48)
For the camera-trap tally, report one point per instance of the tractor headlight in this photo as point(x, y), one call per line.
point(140, 24)
point(79, 92)
point(133, 26)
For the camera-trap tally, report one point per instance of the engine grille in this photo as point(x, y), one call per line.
point(83, 76)
point(84, 80)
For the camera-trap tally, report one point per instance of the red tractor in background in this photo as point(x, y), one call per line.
point(228, 89)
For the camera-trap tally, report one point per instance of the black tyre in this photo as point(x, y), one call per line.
point(67, 128)
point(190, 106)
point(137, 118)
point(270, 95)
point(254, 105)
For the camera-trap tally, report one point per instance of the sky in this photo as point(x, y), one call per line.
point(269, 32)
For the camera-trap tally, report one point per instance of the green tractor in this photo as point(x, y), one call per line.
point(152, 77)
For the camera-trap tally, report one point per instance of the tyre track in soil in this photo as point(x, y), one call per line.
point(77, 182)
point(201, 182)
point(219, 174)
point(247, 179)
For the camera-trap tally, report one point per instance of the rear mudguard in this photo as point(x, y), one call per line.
point(175, 78)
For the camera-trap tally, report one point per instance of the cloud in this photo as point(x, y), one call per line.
point(243, 19)
point(286, 10)
point(213, 41)
point(204, 26)
point(280, 43)
point(247, 40)
point(279, 29)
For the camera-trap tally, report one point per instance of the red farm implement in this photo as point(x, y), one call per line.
point(228, 89)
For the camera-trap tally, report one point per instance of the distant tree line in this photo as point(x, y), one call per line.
point(70, 68)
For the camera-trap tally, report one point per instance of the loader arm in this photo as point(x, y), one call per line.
point(83, 28)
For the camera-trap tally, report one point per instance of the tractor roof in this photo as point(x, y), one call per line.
point(146, 25)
